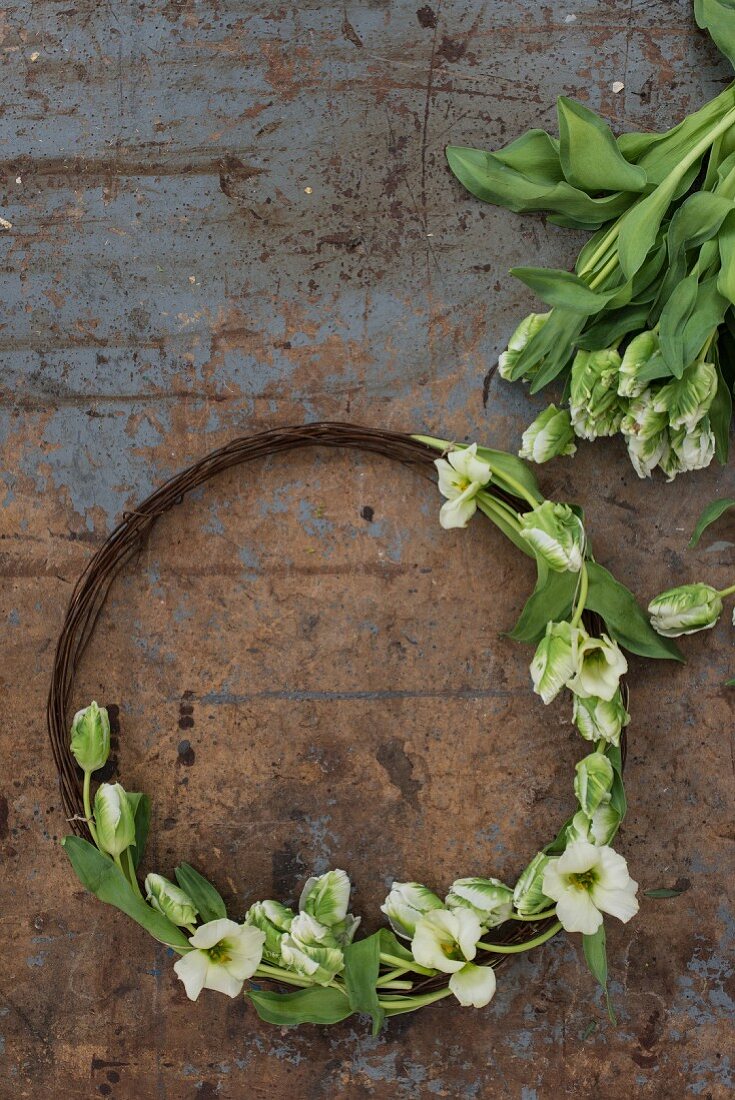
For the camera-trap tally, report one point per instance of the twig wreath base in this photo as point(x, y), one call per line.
point(578, 615)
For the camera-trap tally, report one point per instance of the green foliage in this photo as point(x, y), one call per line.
point(207, 901)
point(718, 18)
point(710, 515)
point(362, 964)
point(318, 1005)
point(626, 622)
point(596, 957)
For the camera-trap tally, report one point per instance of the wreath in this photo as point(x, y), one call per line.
point(580, 618)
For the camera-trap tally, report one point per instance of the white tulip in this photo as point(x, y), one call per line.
point(555, 659)
point(224, 955)
point(587, 881)
point(461, 476)
point(600, 664)
point(406, 903)
point(446, 939)
point(473, 986)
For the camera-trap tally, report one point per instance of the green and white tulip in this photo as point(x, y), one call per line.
point(555, 660)
point(600, 719)
point(528, 896)
point(686, 400)
point(646, 453)
point(489, 899)
point(643, 421)
point(461, 476)
point(525, 332)
point(685, 610)
point(170, 900)
point(600, 664)
point(595, 406)
point(556, 535)
point(326, 897)
point(114, 819)
point(312, 950)
point(90, 737)
point(599, 829)
point(637, 354)
point(446, 940)
point(406, 904)
point(274, 921)
point(691, 449)
point(551, 434)
point(224, 954)
point(587, 881)
point(593, 782)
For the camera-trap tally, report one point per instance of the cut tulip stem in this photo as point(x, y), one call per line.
point(88, 806)
point(582, 597)
point(536, 917)
point(396, 1006)
point(405, 964)
point(727, 591)
point(517, 948)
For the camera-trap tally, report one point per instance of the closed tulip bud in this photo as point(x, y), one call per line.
point(273, 920)
point(556, 534)
point(310, 949)
point(593, 781)
point(685, 400)
point(600, 719)
point(598, 829)
point(643, 420)
point(685, 610)
point(525, 332)
point(490, 900)
point(113, 817)
point(691, 448)
point(170, 900)
point(646, 453)
point(600, 664)
point(637, 354)
point(550, 434)
point(326, 897)
point(555, 660)
point(90, 737)
point(406, 903)
point(593, 396)
point(528, 895)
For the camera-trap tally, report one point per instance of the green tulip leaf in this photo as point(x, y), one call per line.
point(318, 1005)
point(717, 17)
point(625, 620)
point(665, 892)
point(141, 804)
point(561, 288)
point(710, 515)
point(106, 881)
point(206, 899)
point(589, 155)
point(674, 317)
point(595, 954)
point(726, 242)
point(720, 416)
point(610, 327)
point(550, 601)
point(362, 964)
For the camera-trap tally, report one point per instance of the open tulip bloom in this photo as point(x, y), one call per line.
point(438, 944)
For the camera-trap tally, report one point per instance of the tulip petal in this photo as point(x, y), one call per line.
point(192, 970)
point(211, 933)
point(473, 986)
point(458, 512)
point(618, 903)
point(222, 980)
point(576, 911)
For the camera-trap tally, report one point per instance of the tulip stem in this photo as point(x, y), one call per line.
point(537, 916)
point(388, 979)
point(396, 1006)
point(405, 964)
point(88, 806)
point(517, 948)
point(581, 597)
point(277, 973)
point(727, 591)
point(398, 986)
point(128, 871)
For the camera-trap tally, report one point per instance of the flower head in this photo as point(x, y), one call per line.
point(600, 719)
point(593, 397)
point(685, 610)
point(685, 400)
point(273, 920)
point(587, 881)
point(525, 332)
point(326, 897)
point(224, 955)
point(646, 453)
point(490, 900)
point(446, 940)
point(643, 421)
point(593, 782)
point(312, 950)
point(556, 535)
point(691, 449)
point(528, 895)
point(637, 354)
point(555, 659)
point(549, 435)
point(600, 664)
point(461, 476)
point(406, 903)
point(90, 737)
point(170, 900)
point(114, 820)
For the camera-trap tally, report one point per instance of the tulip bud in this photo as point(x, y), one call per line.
point(525, 332)
point(637, 354)
point(685, 610)
point(555, 660)
point(310, 950)
point(646, 453)
point(549, 435)
point(326, 897)
point(593, 396)
point(90, 737)
point(556, 535)
point(490, 900)
point(599, 829)
point(406, 903)
point(170, 900)
point(685, 400)
point(113, 818)
point(691, 448)
point(273, 920)
point(643, 420)
point(600, 664)
point(593, 781)
point(600, 719)
point(528, 896)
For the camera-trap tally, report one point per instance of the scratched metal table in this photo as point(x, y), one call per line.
point(231, 215)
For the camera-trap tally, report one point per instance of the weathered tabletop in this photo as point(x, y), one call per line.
point(233, 215)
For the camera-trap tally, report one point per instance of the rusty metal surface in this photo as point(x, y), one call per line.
point(227, 216)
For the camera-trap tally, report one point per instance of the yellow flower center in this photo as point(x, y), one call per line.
point(583, 880)
point(451, 950)
point(219, 953)
point(462, 483)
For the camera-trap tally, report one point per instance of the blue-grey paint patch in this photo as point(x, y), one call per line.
point(14, 617)
point(36, 960)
